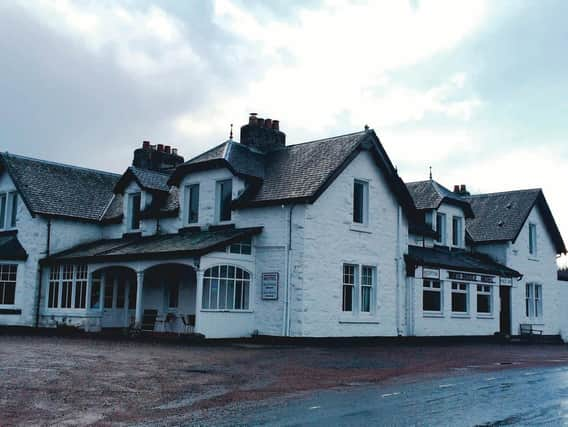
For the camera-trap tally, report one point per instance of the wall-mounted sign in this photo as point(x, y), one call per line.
point(270, 286)
point(430, 273)
point(506, 281)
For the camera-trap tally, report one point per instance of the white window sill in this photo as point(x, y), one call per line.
point(207, 310)
point(432, 314)
point(359, 320)
point(461, 315)
point(485, 316)
point(360, 228)
point(533, 259)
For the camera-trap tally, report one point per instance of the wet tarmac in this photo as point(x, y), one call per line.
point(535, 396)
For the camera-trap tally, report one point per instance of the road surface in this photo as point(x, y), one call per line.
point(535, 396)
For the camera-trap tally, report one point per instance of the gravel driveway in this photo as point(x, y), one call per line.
point(95, 381)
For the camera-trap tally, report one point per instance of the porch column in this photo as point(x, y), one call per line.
point(103, 289)
point(139, 290)
point(198, 296)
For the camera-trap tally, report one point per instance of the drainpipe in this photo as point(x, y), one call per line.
point(39, 272)
point(397, 260)
point(286, 314)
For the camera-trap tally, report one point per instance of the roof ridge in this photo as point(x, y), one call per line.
point(324, 139)
point(205, 152)
point(149, 170)
point(525, 190)
point(50, 162)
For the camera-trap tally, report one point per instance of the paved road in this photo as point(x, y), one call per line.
point(537, 396)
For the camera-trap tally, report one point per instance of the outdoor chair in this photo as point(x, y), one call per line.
point(528, 332)
point(149, 320)
point(188, 322)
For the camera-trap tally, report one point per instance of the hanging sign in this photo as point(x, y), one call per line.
point(270, 286)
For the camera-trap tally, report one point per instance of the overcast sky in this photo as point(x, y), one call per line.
point(477, 90)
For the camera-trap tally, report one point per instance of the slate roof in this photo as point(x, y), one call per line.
point(501, 216)
point(11, 248)
point(430, 194)
point(442, 257)
point(295, 173)
point(239, 158)
point(148, 180)
point(563, 275)
point(181, 244)
point(56, 189)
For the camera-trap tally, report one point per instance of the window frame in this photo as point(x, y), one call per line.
point(349, 286)
point(484, 293)
point(533, 301)
point(68, 283)
point(533, 246)
point(431, 288)
point(457, 231)
point(8, 278)
point(364, 202)
point(352, 282)
point(460, 291)
point(219, 185)
point(131, 218)
point(189, 199)
point(240, 247)
point(8, 210)
point(246, 288)
point(441, 234)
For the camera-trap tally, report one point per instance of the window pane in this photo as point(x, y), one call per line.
point(206, 293)
point(358, 202)
point(366, 299)
point(431, 301)
point(226, 195)
point(8, 283)
point(239, 295)
point(2, 210)
point(109, 289)
point(347, 298)
point(246, 288)
point(222, 294)
point(194, 203)
point(95, 293)
point(483, 304)
point(135, 211)
point(13, 209)
point(456, 231)
point(214, 294)
point(459, 302)
point(441, 228)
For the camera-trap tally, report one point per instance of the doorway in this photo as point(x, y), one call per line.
point(505, 317)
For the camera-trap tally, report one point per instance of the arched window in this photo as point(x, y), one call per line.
point(226, 287)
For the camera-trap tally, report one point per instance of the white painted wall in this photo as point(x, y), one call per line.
point(331, 239)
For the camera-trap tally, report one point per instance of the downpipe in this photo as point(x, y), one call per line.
point(39, 272)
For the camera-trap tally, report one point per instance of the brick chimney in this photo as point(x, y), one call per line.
point(461, 190)
point(157, 158)
point(262, 134)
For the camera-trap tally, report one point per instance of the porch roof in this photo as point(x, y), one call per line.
point(11, 248)
point(456, 259)
point(164, 246)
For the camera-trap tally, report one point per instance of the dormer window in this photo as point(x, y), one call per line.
point(457, 231)
point(441, 229)
point(224, 198)
point(134, 202)
point(532, 239)
point(8, 210)
point(193, 203)
point(360, 202)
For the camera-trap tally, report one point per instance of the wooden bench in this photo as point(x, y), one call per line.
point(528, 331)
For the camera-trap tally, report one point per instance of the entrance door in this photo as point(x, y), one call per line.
point(115, 313)
point(505, 318)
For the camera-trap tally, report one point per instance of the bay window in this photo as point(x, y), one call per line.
point(226, 287)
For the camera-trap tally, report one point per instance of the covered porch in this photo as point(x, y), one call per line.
point(148, 284)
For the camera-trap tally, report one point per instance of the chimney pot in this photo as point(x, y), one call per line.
point(276, 124)
point(252, 119)
point(463, 188)
point(168, 149)
point(160, 147)
point(260, 122)
point(268, 123)
point(174, 151)
point(146, 145)
point(456, 188)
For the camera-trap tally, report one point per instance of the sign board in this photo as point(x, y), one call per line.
point(270, 286)
point(506, 281)
point(430, 273)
